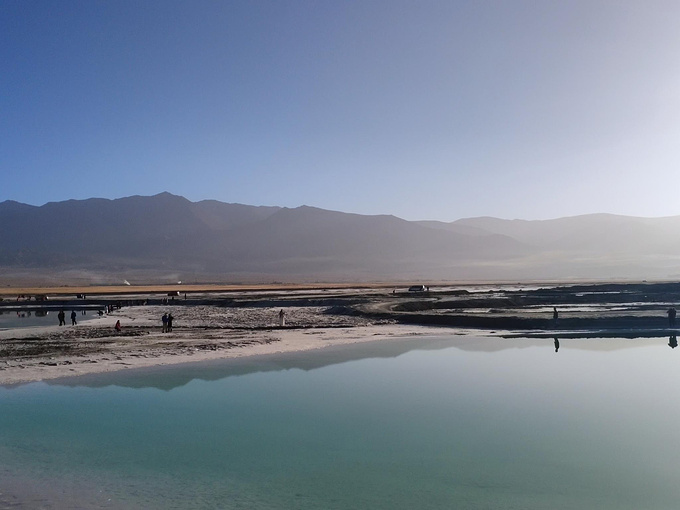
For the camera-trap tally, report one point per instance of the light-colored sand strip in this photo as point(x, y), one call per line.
point(262, 342)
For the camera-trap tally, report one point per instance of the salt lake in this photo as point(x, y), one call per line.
point(440, 422)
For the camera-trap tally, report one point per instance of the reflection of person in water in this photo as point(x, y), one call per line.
point(673, 342)
point(557, 344)
point(671, 316)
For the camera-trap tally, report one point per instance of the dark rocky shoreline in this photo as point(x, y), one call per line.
point(606, 309)
point(584, 310)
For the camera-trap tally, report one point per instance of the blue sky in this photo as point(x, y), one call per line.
point(421, 109)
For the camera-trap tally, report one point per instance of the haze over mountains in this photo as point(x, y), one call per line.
point(165, 237)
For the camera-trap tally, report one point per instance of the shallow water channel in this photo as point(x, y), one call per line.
point(450, 422)
point(28, 318)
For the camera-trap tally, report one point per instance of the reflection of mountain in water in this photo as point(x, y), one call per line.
point(172, 376)
point(169, 377)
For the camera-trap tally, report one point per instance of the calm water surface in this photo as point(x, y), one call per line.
point(12, 319)
point(428, 423)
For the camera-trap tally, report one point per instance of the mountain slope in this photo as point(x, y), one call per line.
point(594, 232)
point(333, 240)
point(168, 234)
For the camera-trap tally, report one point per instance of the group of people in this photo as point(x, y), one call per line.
point(167, 322)
point(62, 318)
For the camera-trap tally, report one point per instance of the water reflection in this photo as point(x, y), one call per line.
point(486, 423)
point(32, 317)
point(170, 377)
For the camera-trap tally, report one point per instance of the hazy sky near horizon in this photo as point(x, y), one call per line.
point(421, 109)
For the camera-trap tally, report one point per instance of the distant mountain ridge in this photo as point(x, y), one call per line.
point(167, 234)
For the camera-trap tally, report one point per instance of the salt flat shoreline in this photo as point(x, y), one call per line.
point(200, 333)
point(213, 325)
point(140, 353)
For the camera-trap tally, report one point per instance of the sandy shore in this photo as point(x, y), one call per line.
point(199, 333)
point(227, 324)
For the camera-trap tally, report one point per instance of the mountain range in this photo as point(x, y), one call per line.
point(166, 237)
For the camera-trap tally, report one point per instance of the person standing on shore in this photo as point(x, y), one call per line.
point(671, 316)
point(73, 318)
point(164, 319)
point(282, 318)
point(62, 318)
point(170, 317)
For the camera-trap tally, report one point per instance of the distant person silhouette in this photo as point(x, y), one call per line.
point(73, 318)
point(117, 326)
point(555, 314)
point(673, 342)
point(671, 316)
point(62, 318)
point(282, 318)
point(557, 344)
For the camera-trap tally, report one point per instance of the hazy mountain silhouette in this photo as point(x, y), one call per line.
point(594, 232)
point(594, 245)
point(168, 234)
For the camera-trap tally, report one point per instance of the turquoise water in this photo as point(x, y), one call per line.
point(428, 423)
